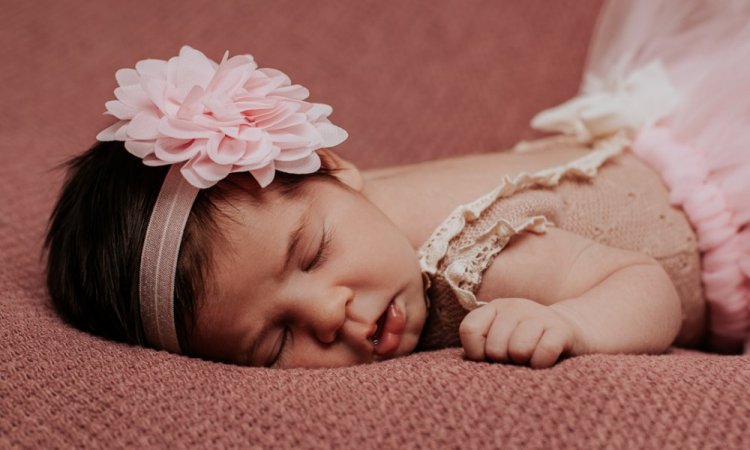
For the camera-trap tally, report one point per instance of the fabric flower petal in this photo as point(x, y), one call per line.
point(145, 125)
point(300, 166)
point(257, 152)
point(226, 151)
point(133, 95)
point(243, 132)
point(140, 149)
point(182, 129)
point(108, 134)
point(264, 81)
point(193, 69)
point(292, 120)
point(152, 161)
point(173, 150)
point(127, 77)
point(204, 172)
point(191, 105)
point(295, 154)
point(121, 110)
point(265, 174)
point(318, 111)
point(331, 134)
point(231, 75)
point(248, 103)
point(303, 134)
point(294, 91)
point(122, 133)
point(210, 170)
point(152, 67)
point(193, 177)
point(272, 118)
point(264, 160)
point(156, 90)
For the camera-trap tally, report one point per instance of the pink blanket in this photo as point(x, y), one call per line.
point(409, 81)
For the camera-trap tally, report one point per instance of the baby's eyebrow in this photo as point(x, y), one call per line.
point(295, 237)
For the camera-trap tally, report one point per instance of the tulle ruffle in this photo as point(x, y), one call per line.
point(701, 144)
point(725, 249)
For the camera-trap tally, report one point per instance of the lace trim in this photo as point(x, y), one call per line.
point(464, 274)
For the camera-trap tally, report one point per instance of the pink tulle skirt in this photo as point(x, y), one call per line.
point(702, 149)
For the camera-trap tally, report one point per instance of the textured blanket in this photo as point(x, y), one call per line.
point(409, 81)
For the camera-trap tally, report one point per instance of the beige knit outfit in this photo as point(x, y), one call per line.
point(608, 196)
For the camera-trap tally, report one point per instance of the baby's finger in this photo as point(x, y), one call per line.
point(496, 346)
point(553, 343)
point(524, 339)
point(473, 331)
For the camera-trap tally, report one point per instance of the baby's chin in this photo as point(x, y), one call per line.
point(407, 347)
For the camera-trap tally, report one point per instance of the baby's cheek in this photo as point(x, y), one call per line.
point(415, 325)
point(409, 344)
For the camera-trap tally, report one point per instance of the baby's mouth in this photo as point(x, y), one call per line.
point(375, 338)
point(389, 327)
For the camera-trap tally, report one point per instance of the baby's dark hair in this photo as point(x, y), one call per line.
point(95, 236)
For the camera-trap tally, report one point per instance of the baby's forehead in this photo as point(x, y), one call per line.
point(249, 215)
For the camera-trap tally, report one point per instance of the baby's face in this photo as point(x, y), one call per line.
point(321, 280)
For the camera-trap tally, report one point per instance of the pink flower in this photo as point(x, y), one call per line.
point(216, 119)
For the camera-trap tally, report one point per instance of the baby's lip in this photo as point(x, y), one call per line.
point(385, 335)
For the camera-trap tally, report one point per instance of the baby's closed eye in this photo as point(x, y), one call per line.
point(321, 256)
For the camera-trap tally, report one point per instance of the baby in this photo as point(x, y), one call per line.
point(250, 241)
point(339, 282)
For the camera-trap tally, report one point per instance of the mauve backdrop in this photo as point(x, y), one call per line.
point(409, 81)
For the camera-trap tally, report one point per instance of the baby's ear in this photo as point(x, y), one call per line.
point(342, 169)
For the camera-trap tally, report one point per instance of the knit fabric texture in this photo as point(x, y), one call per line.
point(624, 205)
point(391, 70)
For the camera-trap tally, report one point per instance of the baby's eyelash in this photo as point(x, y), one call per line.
point(322, 254)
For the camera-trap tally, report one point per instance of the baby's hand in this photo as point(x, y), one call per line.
point(517, 330)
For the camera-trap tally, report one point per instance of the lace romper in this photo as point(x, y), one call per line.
point(608, 195)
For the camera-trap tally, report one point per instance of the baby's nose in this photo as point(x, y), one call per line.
point(329, 314)
point(327, 337)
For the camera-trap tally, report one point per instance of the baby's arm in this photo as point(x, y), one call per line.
point(587, 298)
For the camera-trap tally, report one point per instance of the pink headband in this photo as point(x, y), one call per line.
point(213, 119)
point(159, 259)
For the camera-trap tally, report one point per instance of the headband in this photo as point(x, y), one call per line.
point(206, 120)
